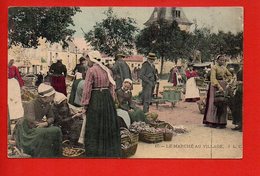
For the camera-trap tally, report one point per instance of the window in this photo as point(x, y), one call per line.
point(178, 13)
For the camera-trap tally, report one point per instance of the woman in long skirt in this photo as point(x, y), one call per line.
point(102, 136)
point(216, 112)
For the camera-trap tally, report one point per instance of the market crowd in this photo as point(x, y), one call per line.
point(103, 93)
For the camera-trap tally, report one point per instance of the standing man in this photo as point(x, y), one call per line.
point(148, 77)
point(121, 70)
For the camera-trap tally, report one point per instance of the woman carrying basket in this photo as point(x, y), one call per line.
point(216, 108)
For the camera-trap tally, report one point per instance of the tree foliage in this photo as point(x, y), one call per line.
point(164, 38)
point(113, 34)
point(28, 24)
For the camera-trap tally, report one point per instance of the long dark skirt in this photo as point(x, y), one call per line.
point(38, 142)
point(102, 137)
point(237, 106)
point(73, 92)
point(215, 115)
point(59, 84)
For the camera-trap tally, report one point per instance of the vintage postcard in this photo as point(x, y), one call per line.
point(125, 82)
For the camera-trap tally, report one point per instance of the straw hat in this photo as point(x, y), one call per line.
point(151, 56)
point(120, 55)
point(45, 90)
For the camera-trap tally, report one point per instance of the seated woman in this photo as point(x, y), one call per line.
point(124, 96)
point(34, 133)
point(69, 123)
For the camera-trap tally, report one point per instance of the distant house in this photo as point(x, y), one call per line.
point(134, 61)
point(170, 14)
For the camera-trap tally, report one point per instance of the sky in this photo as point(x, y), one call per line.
point(214, 18)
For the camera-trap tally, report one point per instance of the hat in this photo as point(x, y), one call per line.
point(151, 56)
point(120, 55)
point(128, 80)
point(94, 55)
point(59, 97)
point(45, 90)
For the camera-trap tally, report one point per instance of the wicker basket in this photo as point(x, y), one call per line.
point(151, 137)
point(130, 151)
point(167, 136)
point(132, 139)
point(157, 124)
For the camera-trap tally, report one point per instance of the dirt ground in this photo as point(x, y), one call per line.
point(200, 142)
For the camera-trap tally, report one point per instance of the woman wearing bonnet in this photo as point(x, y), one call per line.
point(102, 134)
point(124, 97)
point(70, 123)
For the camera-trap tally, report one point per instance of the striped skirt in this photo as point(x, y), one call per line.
point(102, 137)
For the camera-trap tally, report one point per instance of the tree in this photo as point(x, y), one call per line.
point(226, 43)
point(28, 24)
point(113, 34)
point(164, 38)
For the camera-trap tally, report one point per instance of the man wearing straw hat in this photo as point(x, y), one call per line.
point(34, 133)
point(120, 70)
point(102, 132)
point(148, 77)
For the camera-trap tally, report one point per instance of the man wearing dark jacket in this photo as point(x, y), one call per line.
point(121, 70)
point(148, 77)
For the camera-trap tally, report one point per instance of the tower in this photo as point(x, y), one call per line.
point(170, 14)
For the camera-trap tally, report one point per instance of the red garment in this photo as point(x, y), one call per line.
point(13, 72)
point(190, 74)
point(59, 84)
point(194, 74)
point(96, 77)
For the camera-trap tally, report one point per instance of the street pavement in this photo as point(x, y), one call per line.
point(199, 142)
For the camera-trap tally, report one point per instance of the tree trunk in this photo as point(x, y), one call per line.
point(162, 61)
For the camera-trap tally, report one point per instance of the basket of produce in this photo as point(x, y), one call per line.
point(72, 152)
point(131, 136)
point(153, 136)
point(168, 134)
point(128, 150)
point(157, 124)
point(129, 142)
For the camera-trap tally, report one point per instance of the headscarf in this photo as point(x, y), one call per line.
point(59, 97)
point(45, 90)
point(128, 80)
point(93, 56)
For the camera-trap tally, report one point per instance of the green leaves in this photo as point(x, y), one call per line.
point(28, 24)
point(113, 34)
